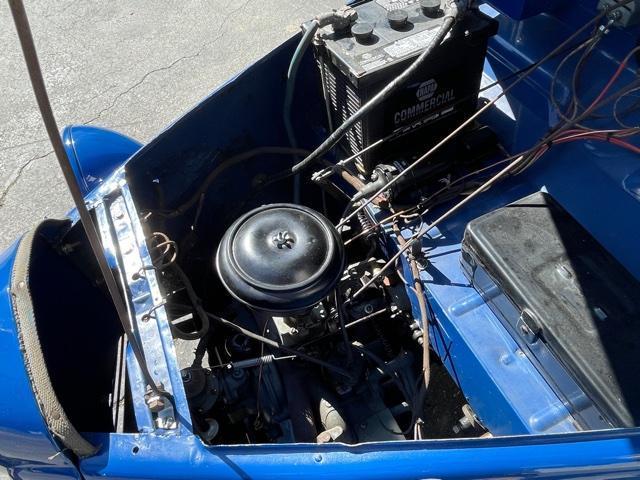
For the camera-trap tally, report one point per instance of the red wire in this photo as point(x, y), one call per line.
point(586, 135)
point(581, 134)
point(610, 83)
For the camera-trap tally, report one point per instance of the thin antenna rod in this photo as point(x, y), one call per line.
point(40, 91)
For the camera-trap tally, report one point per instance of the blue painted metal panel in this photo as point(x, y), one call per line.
point(521, 9)
point(26, 448)
point(593, 455)
point(95, 152)
point(494, 374)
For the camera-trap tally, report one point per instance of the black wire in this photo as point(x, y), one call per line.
point(576, 105)
point(382, 365)
point(584, 58)
point(271, 180)
point(279, 346)
point(343, 327)
point(225, 165)
point(548, 139)
point(618, 115)
point(587, 45)
point(197, 305)
point(201, 350)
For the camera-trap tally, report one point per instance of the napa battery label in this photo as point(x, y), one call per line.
point(421, 100)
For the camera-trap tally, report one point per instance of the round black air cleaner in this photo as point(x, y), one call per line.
point(280, 258)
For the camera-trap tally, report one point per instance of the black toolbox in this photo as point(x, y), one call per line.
point(572, 307)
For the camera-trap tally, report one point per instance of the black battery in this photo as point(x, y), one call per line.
point(388, 36)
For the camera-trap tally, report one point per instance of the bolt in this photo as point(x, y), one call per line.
point(600, 313)
point(156, 403)
point(317, 458)
point(68, 248)
point(117, 210)
point(283, 239)
point(506, 359)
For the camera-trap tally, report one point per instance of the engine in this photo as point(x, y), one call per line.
point(296, 359)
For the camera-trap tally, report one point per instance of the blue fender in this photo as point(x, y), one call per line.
point(27, 449)
point(95, 153)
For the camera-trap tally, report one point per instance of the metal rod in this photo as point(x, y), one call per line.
point(488, 184)
point(39, 89)
point(479, 112)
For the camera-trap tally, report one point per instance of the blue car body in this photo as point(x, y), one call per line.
point(535, 436)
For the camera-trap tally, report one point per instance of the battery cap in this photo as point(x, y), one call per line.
point(430, 8)
point(362, 31)
point(397, 19)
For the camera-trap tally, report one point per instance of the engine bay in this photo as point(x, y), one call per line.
point(291, 359)
point(341, 287)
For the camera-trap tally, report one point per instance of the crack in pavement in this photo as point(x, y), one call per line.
point(18, 173)
point(16, 176)
point(113, 103)
point(25, 144)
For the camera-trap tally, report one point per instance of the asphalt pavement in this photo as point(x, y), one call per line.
point(132, 66)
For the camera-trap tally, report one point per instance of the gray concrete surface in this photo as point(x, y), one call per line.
point(132, 66)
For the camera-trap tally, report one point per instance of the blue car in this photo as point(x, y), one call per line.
point(403, 245)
